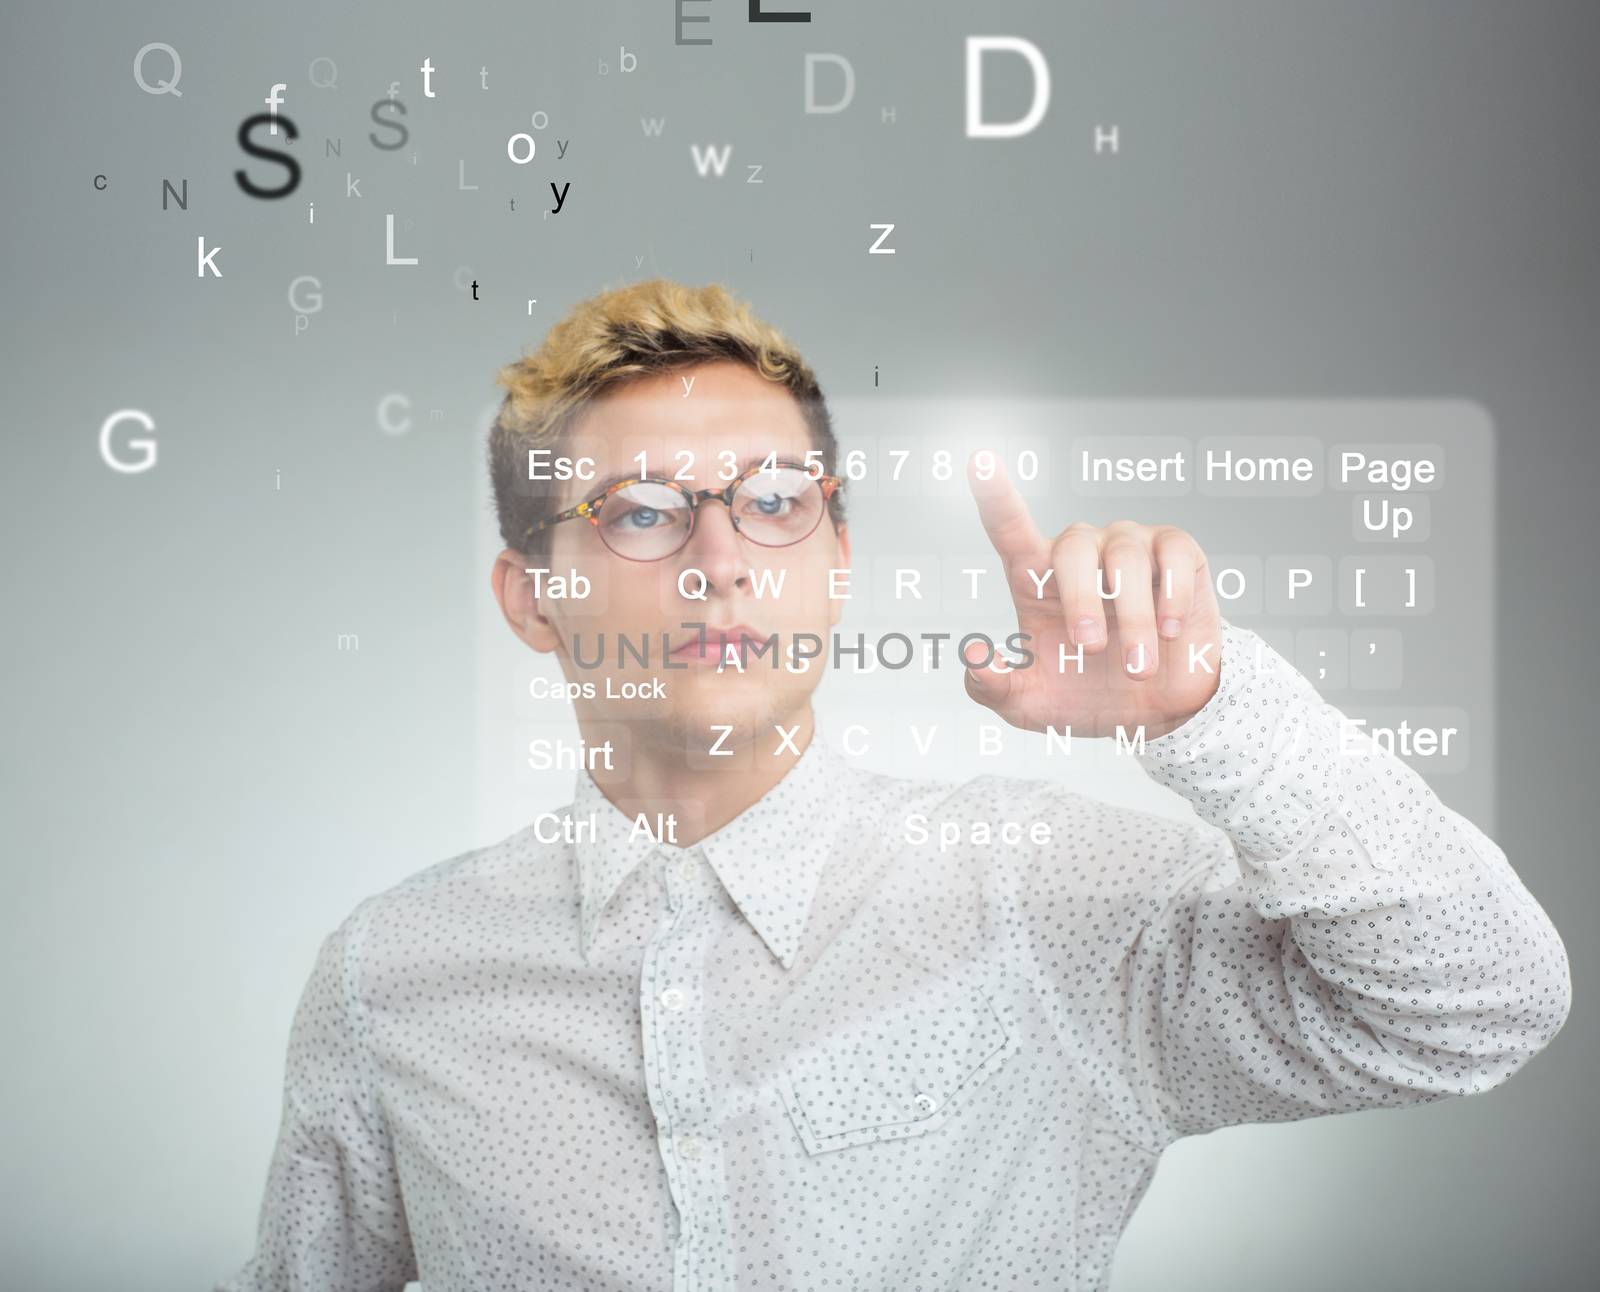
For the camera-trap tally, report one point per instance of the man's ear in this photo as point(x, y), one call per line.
point(842, 562)
point(513, 589)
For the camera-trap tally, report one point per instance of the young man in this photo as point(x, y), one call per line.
point(728, 1023)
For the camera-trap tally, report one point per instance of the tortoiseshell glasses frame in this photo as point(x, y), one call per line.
point(591, 508)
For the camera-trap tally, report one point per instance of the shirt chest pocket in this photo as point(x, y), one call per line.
point(904, 1073)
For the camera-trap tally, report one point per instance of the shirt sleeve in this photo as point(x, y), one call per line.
point(1330, 937)
point(331, 1218)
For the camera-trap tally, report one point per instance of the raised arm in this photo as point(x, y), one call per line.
point(1330, 937)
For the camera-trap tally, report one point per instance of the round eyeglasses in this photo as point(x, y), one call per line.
point(646, 518)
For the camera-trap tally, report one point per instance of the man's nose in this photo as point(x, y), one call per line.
point(716, 547)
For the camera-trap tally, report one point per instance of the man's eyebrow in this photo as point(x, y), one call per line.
point(594, 488)
point(588, 490)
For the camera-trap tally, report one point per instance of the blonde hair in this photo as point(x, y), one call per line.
point(612, 338)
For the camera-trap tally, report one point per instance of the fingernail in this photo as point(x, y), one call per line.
point(1170, 627)
point(1137, 658)
point(1088, 631)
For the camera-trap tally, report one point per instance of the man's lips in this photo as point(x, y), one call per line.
point(717, 640)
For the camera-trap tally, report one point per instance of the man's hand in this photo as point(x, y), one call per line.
point(1162, 606)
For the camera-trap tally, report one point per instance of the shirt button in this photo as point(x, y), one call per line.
point(685, 868)
point(925, 1103)
point(689, 1146)
point(673, 998)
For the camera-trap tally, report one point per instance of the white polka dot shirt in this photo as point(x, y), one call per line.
point(809, 1054)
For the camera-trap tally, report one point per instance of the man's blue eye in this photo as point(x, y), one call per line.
point(771, 504)
point(648, 514)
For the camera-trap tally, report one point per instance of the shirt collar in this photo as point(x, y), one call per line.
point(769, 857)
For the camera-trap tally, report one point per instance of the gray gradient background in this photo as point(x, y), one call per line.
point(1352, 201)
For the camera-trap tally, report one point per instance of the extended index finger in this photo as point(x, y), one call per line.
point(1006, 518)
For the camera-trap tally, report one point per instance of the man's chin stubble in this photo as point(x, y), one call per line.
point(754, 725)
